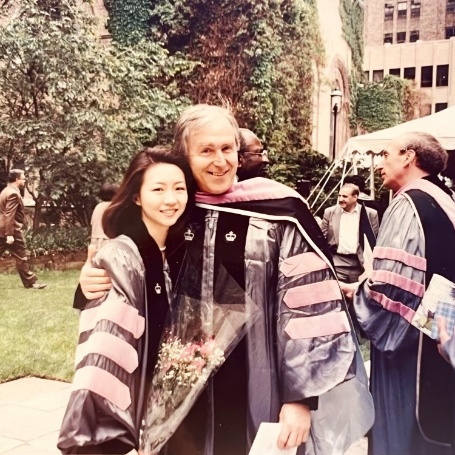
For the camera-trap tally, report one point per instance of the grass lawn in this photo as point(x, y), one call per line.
point(38, 328)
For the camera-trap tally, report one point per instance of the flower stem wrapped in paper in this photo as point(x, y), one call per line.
point(199, 336)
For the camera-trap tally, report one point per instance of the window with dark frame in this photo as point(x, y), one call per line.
point(409, 73)
point(442, 76)
point(388, 11)
point(388, 38)
point(415, 8)
point(413, 36)
point(440, 107)
point(450, 31)
point(450, 6)
point(395, 72)
point(426, 76)
point(401, 37)
point(378, 75)
point(402, 9)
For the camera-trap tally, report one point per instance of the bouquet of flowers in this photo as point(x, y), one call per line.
point(199, 336)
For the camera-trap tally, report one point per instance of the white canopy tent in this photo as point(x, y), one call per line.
point(441, 125)
point(365, 150)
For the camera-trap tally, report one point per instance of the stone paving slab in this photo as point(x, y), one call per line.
point(27, 388)
point(31, 412)
point(26, 449)
point(49, 401)
point(27, 424)
point(8, 443)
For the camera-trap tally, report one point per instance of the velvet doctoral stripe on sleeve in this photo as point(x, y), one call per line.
point(416, 239)
point(105, 409)
point(303, 344)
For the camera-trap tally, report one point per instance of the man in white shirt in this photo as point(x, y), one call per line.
point(350, 230)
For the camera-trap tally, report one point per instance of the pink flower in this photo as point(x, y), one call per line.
point(198, 364)
point(188, 351)
point(207, 348)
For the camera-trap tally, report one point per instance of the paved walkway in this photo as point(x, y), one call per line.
point(31, 411)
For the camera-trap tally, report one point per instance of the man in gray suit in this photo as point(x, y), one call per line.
point(350, 229)
point(11, 220)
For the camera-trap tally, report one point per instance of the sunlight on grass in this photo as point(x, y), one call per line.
point(38, 327)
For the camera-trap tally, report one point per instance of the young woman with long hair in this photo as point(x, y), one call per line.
point(119, 334)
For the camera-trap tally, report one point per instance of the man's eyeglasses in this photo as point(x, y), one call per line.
point(263, 152)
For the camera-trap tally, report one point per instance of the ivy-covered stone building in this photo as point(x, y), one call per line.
point(326, 46)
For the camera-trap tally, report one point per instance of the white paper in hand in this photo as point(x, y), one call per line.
point(265, 442)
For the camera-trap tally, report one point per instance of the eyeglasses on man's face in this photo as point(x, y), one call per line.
point(263, 152)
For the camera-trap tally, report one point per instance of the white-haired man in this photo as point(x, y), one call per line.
point(301, 354)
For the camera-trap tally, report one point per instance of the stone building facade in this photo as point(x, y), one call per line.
point(335, 75)
point(98, 9)
point(95, 7)
point(413, 39)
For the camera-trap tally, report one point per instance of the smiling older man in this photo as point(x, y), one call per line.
point(263, 234)
point(412, 386)
point(301, 354)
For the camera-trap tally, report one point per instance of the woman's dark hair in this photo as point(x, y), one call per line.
point(123, 211)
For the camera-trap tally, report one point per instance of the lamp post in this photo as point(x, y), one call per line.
point(336, 103)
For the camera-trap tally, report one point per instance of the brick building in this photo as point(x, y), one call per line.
point(413, 39)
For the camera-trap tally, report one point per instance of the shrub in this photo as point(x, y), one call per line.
point(57, 239)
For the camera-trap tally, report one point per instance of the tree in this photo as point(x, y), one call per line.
point(72, 109)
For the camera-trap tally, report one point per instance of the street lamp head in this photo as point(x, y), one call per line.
point(336, 96)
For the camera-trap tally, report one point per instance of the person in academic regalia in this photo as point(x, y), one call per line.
point(120, 333)
point(299, 363)
point(301, 354)
point(412, 385)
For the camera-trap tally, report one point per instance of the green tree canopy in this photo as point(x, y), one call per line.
point(72, 109)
